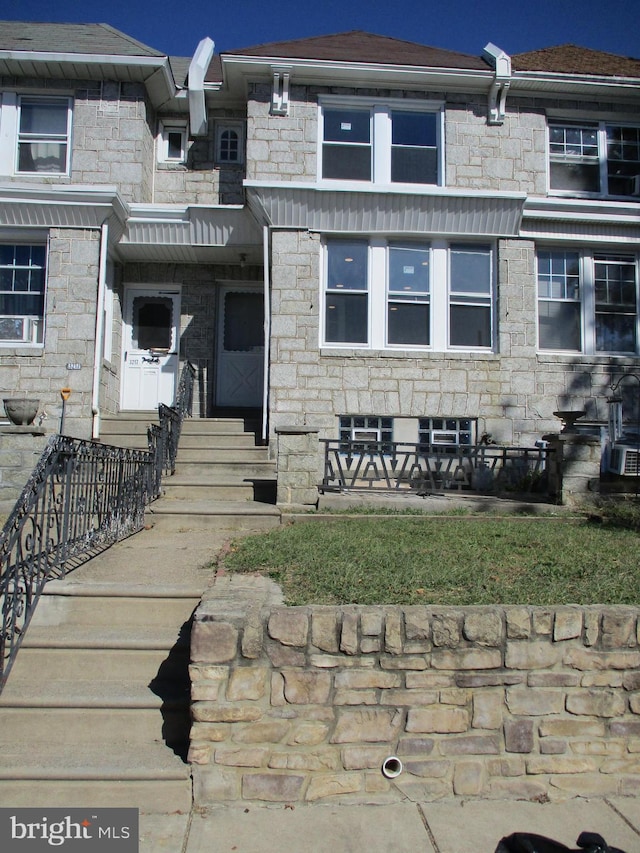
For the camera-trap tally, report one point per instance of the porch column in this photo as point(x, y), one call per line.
point(299, 466)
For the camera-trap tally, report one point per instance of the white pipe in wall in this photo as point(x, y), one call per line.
point(99, 336)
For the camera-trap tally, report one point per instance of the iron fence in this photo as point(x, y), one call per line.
point(430, 469)
point(81, 497)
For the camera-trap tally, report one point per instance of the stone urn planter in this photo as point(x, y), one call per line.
point(21, 411)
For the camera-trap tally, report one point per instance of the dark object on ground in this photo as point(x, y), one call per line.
point(526, 842)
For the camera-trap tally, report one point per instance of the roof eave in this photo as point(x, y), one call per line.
point(569, 84)
point(237, 69)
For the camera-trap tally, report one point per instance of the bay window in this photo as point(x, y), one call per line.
point(594, 158)
point(22, 289)
point(381, 142)
point(386, 294)
point(587, 301)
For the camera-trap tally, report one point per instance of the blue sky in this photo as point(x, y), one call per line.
point(464, 25)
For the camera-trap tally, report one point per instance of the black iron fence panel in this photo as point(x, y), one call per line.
point(426, 469)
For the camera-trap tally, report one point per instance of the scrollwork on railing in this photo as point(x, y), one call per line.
point(81, 496)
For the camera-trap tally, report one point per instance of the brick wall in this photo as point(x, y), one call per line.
point(306, 703)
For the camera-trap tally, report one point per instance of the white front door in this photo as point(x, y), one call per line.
point(150, 347)
point(240, 349)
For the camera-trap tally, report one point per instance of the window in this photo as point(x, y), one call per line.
point(43, 135)
point(367, 431)
point(383, 143)
point(388, 294)
point(22, 287)
point(229, 143)
point(587, 302)
point(36, 134)
point(172, 142)
point(446, 434)
point(594, 159)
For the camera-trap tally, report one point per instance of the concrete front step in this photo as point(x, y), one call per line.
point(180, 487)
point(213, 453)
point(41, 663)
point(151, 778)
point(66, 604)
point(221, 515)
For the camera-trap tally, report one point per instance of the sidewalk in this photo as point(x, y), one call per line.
point(442, 827)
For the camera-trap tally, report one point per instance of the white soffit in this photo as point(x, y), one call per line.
point(191, 226)
point(352, 211)
point(44, 206)
point(580, 220)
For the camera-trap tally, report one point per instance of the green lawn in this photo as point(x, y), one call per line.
point(446, 561)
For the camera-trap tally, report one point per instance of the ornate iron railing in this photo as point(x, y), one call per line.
point(81, 497)
point(395, 466)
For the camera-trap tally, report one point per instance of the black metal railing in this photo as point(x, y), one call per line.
point(81, 497)
point(396, 466)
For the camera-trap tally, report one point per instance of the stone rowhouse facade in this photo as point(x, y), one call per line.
point(295, 704)
point(124, 215)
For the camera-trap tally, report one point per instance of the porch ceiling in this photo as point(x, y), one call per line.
point(432, 211)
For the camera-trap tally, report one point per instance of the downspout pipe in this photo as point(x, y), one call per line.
point(267, 329)
point(99, 336)
point(197, 70)
point(501, 64)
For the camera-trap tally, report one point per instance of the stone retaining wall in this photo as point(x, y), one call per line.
point(306, 703)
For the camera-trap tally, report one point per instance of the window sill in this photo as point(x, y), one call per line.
point(355, 352)
point(7, 348)
point(584, 358)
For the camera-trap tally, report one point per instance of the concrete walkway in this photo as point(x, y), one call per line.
point(443, 827)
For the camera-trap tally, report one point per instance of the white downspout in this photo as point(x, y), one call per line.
point(99, 337)
point(197, 70)
point(267, 329)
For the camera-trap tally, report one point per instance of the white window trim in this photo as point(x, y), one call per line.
point(9, 133)
point(378, 294)
point(165, 128)
point(36, 238)
point(601, 127)
point(380, 109)
point(222, 126)
point(587, 301)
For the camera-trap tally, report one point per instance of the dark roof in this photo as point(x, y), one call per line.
point(358, 46)
point(572, 59)
point(100, 39)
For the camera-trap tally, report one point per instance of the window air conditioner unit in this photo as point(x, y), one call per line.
point(625, 459)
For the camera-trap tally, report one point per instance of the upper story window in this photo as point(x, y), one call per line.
point(587, 301)
point(594, 159)
point(36, 136)
point(172, 142)
point(229, 143)
point(382, 143)
point(22, 289)
point(381, 294)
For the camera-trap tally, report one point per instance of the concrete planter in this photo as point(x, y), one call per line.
point(21, 411)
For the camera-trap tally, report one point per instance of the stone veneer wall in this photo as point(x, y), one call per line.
point(306, 703)
point(513, 391)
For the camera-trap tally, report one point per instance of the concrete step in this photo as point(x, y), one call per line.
point(214, 453)
point(233, 440)
point(67, 603)
point(151, 777)
point(222, 515)
point(228, 469)
point(180, 487)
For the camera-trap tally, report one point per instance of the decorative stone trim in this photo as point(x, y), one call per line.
point(306, 703)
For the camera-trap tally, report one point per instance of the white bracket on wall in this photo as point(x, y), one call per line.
point(501, 63)
point(280, 90)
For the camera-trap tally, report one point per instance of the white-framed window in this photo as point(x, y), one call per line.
point(381, 142)
point(587, 301)
point(23, 270)
point(594, 158)
point(229, 143)
point(446, 434)
point(172, 142)
point(389, 294)
point(36, 134)
point(362, 432)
